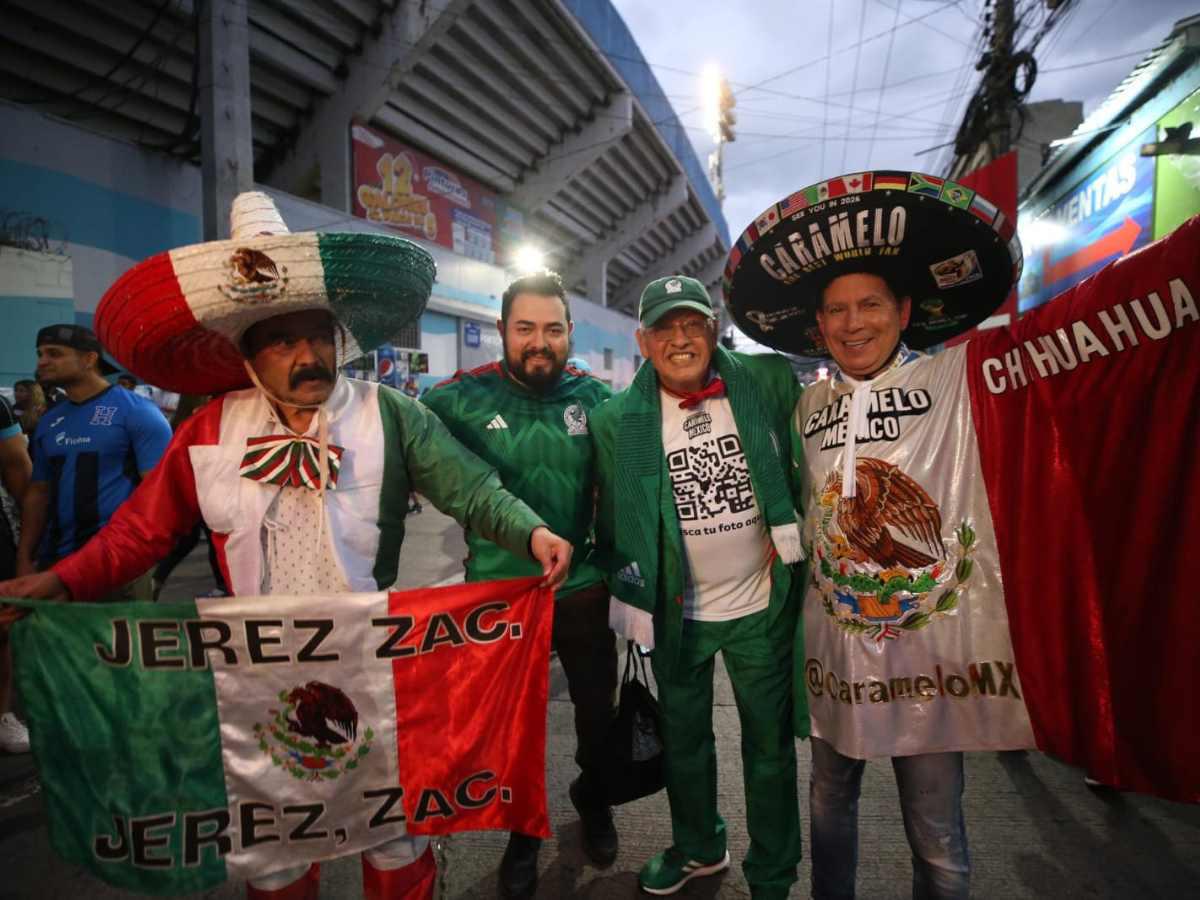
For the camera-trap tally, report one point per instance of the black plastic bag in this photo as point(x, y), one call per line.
point(635, 758)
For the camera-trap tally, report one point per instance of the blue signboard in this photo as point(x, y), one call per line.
point(1101, 218)
point(471, 334)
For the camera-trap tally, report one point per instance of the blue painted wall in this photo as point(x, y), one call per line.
point(23, 318)
point(95, 215)
point(438, 323)
point(105, 205)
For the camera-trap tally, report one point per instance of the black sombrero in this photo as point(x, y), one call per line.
point(940, 243)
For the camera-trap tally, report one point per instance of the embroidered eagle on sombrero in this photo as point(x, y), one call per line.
point(254, 266)
point(887, 499)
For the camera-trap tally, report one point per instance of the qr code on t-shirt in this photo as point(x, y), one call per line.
point(710, 479)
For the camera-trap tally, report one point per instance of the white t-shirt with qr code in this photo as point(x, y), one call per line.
point(726, 543)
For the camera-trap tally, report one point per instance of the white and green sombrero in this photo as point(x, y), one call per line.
point(175, 320)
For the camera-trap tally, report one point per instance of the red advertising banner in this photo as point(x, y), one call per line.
point(419, 196)
point(997, 182)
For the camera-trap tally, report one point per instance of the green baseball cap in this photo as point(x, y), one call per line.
point(673, 292)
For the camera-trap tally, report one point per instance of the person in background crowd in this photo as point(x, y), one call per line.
point(127, 381)
point(51, 393)
point(410, 389)
point(188, 404)
point(527, 415)
point(15, 468)
point(90, 452)
point(697, 528)
point(29, 403)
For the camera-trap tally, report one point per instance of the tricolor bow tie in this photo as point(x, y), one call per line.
point(287, 459)
point(715, 388)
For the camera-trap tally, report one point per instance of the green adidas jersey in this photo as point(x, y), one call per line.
point(540, 445)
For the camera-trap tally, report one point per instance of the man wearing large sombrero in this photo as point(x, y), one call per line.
point(949, 495)
point(304, 476)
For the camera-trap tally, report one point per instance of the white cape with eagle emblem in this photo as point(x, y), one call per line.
point(907, 646)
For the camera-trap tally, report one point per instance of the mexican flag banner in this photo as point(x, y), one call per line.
point(181, 744)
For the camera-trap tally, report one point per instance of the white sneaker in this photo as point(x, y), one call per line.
point(14, 737)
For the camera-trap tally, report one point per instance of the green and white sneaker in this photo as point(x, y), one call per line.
point(671, 870)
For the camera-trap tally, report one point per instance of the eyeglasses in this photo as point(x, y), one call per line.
point(691, 328)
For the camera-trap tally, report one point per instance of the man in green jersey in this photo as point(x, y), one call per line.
point(528, 416)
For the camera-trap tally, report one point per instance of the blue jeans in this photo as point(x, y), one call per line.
point(931, 787)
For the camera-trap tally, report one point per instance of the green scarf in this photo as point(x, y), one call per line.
point(640, 476)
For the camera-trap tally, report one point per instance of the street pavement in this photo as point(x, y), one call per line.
point(1035, 830)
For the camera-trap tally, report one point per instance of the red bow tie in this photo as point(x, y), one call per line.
point(715, 388)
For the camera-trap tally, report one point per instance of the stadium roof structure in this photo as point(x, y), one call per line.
point(548, 102)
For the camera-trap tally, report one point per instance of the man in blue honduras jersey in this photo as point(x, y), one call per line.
point(90, 452)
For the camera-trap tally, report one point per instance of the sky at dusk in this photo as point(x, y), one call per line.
point(895, 82)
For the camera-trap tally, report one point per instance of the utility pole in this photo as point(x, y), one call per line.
point(719, 102)
point(986, 130)
point(1000, 74)
point(226, 147)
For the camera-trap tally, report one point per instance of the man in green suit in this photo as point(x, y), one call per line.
point(697, 529)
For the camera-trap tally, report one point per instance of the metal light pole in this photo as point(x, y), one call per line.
point(719, 119)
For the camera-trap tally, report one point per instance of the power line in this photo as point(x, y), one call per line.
point(1096, 62)
point(927, 25)
point(854, 80)
point(905, 114)
point(825, 110)
point(887, 63)
point(896, 84)
point(962, 88)
point(1095, 21)
point(853, 46)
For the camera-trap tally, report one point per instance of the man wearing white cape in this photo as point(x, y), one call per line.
point(964, 514)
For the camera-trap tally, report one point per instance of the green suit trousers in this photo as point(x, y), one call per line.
point(757, 651)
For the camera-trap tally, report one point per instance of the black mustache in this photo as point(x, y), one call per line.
point(530, 354)
point(310, 373)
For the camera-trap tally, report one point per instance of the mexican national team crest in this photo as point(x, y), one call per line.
point(314, 734)
point(576, 418)
point(253, 277)
point(882, 567)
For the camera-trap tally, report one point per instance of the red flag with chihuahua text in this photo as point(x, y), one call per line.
point(1088, 412)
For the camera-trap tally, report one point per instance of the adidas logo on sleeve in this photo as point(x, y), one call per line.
point(631, 574)
point(497, 423)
